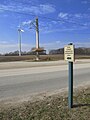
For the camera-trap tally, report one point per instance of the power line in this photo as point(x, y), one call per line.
point(44, 17)
point(63, 20)
point(23, 13)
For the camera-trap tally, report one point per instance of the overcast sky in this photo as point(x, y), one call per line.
point(60, 22)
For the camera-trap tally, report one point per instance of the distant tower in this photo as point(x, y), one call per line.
point(37, 39)
point(19, 40)
point(37, 49)
point(37, 33)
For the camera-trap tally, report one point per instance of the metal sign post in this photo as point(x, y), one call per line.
point(70, 93)
point(69, 56)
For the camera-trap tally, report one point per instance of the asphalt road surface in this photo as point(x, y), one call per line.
point(20, 82)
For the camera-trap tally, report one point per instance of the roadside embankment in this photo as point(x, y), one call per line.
point(53, 107)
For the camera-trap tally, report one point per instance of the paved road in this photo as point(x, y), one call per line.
point(28, 81)
point(24, 64)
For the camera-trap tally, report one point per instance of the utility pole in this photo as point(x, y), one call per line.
point(37, 39)
point(19, 40)
point(37, 49)
point(37, 33)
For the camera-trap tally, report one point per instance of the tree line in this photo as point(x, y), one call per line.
point(16, 53)
point(78, 51)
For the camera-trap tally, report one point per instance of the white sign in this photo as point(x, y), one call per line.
point(69, 53)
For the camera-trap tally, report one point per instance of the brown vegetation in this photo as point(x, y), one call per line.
point(42, 58)
point(51, 108)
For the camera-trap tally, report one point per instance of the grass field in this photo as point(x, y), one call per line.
point(53, 107)
point(42, 58)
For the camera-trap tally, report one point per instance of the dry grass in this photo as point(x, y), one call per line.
point(15, 58)
point(42, 58)
point(51, 108)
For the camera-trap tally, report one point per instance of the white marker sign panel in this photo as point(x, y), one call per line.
point(69, 53)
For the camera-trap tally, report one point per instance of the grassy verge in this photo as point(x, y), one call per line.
point(51, 108)
point(42, 58)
